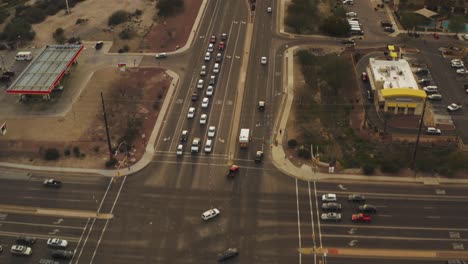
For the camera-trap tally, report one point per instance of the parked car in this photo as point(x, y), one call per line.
point(348, 2)
point(361, 218)
point(424, 82)
point(351, 14)
point(336, 217)
point(386, 24)
point(331, 207)
point(356, 198)
point(25, 240)
point(21, 250)
point(99, 45)
point(62, 254)
point(329, 197)
point(389, 29)
point(348, 42)
point(210, 214)
point(431, 89)
point(52, 183)
point(432, 131)
point(421, 71)
point(259, 156)
point(454, 107)
point(161, 55)
point(462, 71)
point(57, 243)
point(367, 208)
point(227, 254)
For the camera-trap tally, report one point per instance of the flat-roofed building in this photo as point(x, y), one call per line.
point(395, 88)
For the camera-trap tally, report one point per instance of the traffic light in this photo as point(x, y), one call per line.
point(3, 129)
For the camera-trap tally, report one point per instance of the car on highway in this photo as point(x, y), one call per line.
point(261, 106)
point(207, 56)
point(348, 42)
point(232, 171)
point(25, 240)
point(21, 250)
point(228, 254)
point(210, 214)
point(208, 146)
point(57, 243)
point(269, 9)
point(219, 57)
point(216, 68)
point(211, 131)
point(336, 217)
point(184, 135)
point(205, 102)
point(200, 83)
point(434, 97)
point(180, 150)
point(432, 131)
point(329, 197)
point(203, 70)
point(62, 254)
point(331, 207)
point(212, 80)
point(191, 113)
point(161, 55)
point(210, 90)
point(210, 47)
point(194, 96)
point(222, 45)
point(454, 107)
point(364, 77)
point(52, 183)
point(213, 39)
point(361, 218)
point(356, 198)
point(367, 208)
point(223, 36)
point(462, 71)
point(203, 119)
point(263, 60)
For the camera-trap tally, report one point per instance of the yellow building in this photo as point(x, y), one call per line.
point(395, 88)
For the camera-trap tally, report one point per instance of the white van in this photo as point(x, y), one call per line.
point(23, 55)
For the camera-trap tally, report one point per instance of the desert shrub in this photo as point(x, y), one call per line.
point(67, 152)
point(292, 143)
point(96, 149)
point(51, 154)
point(138, 12)
point(389, 166)
point(124, 49)
point(76, 151)
point(3, 15)
point(80, 21)
point(126, 34)
point(118, 17)
point(368, 169)
point(169, 7)
point(59, 35)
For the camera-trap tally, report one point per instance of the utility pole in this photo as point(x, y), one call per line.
point(421, 121)
point(68, 9)
point(111, 156)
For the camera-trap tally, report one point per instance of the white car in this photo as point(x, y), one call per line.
point(203, 119)
point(348, 2)
point(21, 250)
point(331, 217)
point(465, 36)
point(216, 68)
point(462, 71)
point(454, 107)
point(351, 14)
point(207, 56)
point(210, 47)
point(269, 9)
point(211, 131)
point(433, 131)
point(208, 146)
point(180, 150)
point(191, 113)
point(161, 55)
point(210, 214)
point(210, 90)
point(263, 60)
point(203, 70)
point(200, 84)
point(57, 243)
point(329, 197)
point(205, 102)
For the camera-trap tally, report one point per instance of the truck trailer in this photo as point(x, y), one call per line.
point(244, 137)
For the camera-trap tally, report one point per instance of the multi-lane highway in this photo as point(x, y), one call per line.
point(154, 216)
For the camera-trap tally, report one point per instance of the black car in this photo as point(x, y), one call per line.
point(422, 71)
point(25, 240)
point(229, 253)
point(348, 42)
point(331, 207)
point(9, 73)
point(356, 198)
point(62, 254)
point(389, 29)
point(52, 183)
point(259, 157)
point(386, 24)
point(424, 82)
point(367, 208)
point(194, 96)
point(99, 45)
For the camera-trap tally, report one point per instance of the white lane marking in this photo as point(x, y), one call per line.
point(395, 238)
point(298, 222)
point(79, 241)
point(311, 215)
point(318, 215)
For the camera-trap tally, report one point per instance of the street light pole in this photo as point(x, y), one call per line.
point(107, 128)
point(68, 9)
point(421, 121)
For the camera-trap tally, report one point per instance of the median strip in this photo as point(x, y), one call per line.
point(54, 212)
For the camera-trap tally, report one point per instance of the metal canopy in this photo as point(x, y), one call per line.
point(46, 70)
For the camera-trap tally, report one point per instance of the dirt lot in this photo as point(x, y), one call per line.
point(83, 127)
point(130, 97)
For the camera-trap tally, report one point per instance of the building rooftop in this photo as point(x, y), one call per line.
point(393, 74)
point(45, 71)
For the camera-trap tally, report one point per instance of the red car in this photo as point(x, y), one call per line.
point(362, 218)
point(213, 39)
point(221, 45)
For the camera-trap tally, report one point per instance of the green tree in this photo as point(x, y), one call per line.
point(411, 20)
point(456, 24)
point(118, 17)
point(18, 30)
point(59, 35)
point(335, 26)
point(168, 8)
